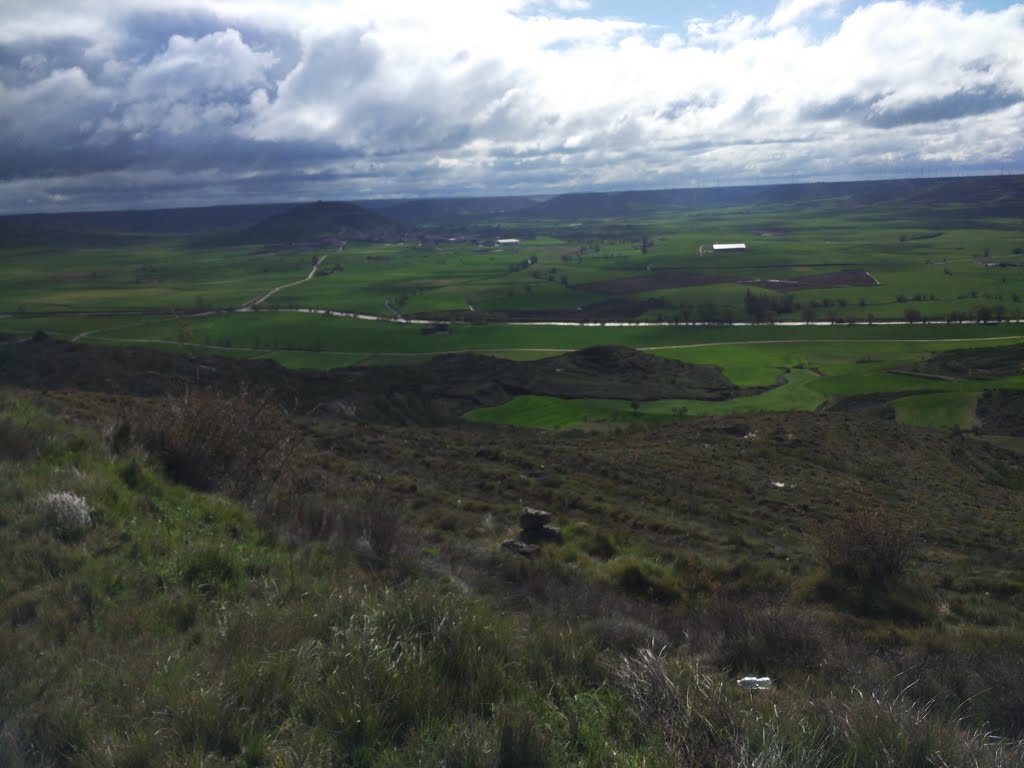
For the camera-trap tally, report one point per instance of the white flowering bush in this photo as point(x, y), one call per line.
point(68, 513)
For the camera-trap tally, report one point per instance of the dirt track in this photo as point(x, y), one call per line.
point(260, 299)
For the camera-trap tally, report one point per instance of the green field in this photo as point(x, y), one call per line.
point(929, 262)
point(806, 375)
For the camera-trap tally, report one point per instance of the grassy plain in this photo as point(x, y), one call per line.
point(926, 258)
point(804, 376)
point(930, 261)
point(806, 365)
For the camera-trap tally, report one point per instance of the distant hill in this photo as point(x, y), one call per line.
point(218, 225)
point(279, 222)
point(1003, 194)
point(60, 227)
point(450, 211)
point(310, 221)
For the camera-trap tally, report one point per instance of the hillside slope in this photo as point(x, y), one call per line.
point(437, 391)
point(353, 603)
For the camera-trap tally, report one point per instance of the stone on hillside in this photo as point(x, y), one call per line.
point(521, 548)
point(532, 519)
point(538, 535)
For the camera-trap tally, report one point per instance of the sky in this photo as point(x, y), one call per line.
point(169, 103)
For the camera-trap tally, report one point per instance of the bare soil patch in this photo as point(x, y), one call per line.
point(982, 363)
point(846, 278)
point(653, 281)
point(611, 310)
point(874, 403)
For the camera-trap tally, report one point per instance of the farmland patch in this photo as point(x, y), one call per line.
point(654, 281)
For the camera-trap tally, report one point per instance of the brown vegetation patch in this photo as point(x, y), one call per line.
point(1001, 412)
point(611, 310)
point(654, 281)
point(874, 403)
point(981, 363)
point(846, 278)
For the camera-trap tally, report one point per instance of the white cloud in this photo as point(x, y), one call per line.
point(511, 94)
point(789, 11)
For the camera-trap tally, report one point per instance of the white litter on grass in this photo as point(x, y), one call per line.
point(777, 484)
point(755, 683)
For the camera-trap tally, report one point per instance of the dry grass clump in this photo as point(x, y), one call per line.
point(678, 706)
point(69, 514)
point(748, 639)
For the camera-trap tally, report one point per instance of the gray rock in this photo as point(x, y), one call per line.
point(542, 534)
point(532, 519)
point(521, 548)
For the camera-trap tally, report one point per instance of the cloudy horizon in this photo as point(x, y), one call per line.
point(149, 104)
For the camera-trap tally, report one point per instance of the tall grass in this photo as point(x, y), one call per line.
point(179, 628)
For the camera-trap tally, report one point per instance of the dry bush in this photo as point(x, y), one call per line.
point(750, 638)
point(238, 445)
point(378, 520)
point(869, 547)
point(303, 517)
point(369, 524)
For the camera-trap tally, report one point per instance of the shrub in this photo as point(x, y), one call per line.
point(379, 524)
point(870, 548)
point(643, 578)
point(209, 442)
point(766, 640)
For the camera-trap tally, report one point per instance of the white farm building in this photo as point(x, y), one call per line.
point(729, 247)
point(506, 241)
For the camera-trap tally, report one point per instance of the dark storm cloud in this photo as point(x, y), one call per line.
point(962, 103)
point(872, 111)
point(22, 64)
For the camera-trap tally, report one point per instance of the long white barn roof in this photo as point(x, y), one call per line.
point(729, 246)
